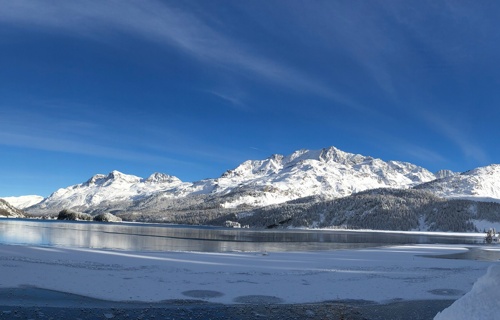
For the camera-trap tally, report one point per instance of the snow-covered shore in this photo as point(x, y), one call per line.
point(375, 274)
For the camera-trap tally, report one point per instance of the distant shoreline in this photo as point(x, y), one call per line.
point(142, 223)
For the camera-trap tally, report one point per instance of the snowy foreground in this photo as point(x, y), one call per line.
point(375, 274)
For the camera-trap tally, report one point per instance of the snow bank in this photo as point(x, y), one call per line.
point(482, 302)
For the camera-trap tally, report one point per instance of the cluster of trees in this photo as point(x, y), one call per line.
point(387, 209)
point(198, 209)
point(67, 214)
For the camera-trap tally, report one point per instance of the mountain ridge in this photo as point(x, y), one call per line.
point(480, 183)
point(283, 182)
point(328, 172)
point(22, 202)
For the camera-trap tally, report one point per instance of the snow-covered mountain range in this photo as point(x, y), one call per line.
point(324, 174)
point(113, 187)
point(328, 173)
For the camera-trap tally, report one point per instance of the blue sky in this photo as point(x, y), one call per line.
point(192, 88)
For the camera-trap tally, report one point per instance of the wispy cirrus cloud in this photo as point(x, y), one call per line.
point(233, 100)
point(69, 133)
point(77, 146)
point(164, 24)
point(423, 154)
point(73, 132)
point(455, 131)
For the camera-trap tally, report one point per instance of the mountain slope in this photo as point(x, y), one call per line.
point(7, 210)
point(101, 190)
point(328, 173)
point(479, 184)
point(23, 201)
point(384, 209)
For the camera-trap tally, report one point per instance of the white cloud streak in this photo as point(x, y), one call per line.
point(423, 154)
point(163, 24)
point(36, 130)
point(455, 132)
point(77, 147)
point(59, 133)
point(235, 102)
point(154, 21)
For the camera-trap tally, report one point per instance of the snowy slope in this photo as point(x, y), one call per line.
point(7, 210)
point(328, 173)
point(444, 174)
point(23, 201)
point(482, 184)
point(479, 303)
point(114, 187)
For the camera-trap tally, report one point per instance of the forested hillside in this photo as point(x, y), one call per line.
point(389, 209)
point(384, 209)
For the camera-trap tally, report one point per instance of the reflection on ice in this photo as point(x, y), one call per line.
point(144, 237)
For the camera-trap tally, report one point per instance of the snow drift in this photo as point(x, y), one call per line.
point(479, 303)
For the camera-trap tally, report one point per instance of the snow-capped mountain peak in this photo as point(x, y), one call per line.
point(96, 179)
point(277, 162)
point(330, 154)
point(118, 176)
point(112, 177)
point(328, 173)
point(481, 184)
point(444, 174)
point(333, 154)
point(158, 177)
point(115, 187)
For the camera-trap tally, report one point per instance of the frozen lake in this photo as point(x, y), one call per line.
point(160, 263)
point(157, 237)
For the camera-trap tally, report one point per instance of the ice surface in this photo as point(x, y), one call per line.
point(376, 274)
